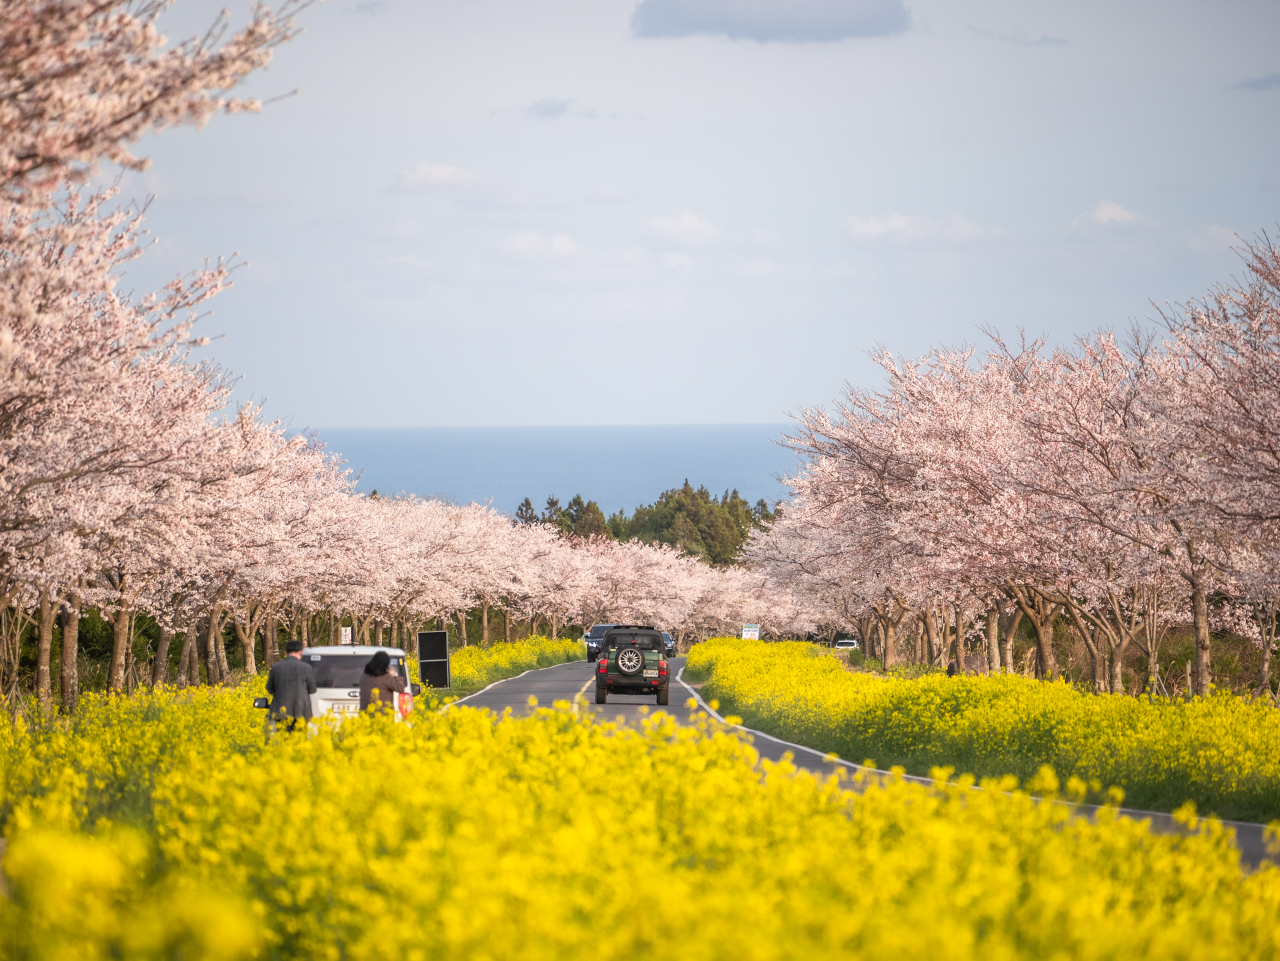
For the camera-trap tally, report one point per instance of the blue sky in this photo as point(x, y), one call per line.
point(698, 211)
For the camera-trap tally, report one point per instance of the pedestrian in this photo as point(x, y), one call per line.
point(378, 685)
point(291, 684)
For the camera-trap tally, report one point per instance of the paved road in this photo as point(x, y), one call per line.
point(565, 682)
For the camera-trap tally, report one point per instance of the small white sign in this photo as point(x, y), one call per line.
point(346, 635)
point(751, 632)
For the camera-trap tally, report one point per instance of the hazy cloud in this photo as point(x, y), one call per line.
point(427, 175)
point(1020, 38)
point(679, 262)
point(1269, 82)
point(1109, 212)
point(902, 228)
point(605, 195)
point(548, 108)
point(1215, 237)
point(686, 229)
point(535, 246)
point(765, 20)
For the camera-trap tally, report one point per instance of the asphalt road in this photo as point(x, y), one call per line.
point(565, 682)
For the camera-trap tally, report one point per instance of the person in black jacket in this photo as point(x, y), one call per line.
point(291, 684)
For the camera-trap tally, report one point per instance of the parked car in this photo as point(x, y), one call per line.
point(668, 644)
point(846, 645)
point(338, 670)
point(632, 662)
point(594, 637)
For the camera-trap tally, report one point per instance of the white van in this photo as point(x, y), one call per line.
point(338, 669)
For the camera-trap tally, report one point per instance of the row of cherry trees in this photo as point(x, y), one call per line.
point(129, 485)
point(1119, 486)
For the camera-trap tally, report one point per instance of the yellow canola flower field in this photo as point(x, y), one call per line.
point(1222, 752)
point(475, 667)
point(161, 826)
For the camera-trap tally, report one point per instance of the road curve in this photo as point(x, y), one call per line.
point(565, 682)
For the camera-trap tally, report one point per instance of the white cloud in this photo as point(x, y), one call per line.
point(902, 228)
point(762, 268)
point(427, 175)
point(763, 237)
point(1215, 237)
point(770, 20)
point(1109, 212)
point(680, 262)
point(686, 229)
point(1021, 38)
point(549, 108)
point(420, 265)
point(535, 246)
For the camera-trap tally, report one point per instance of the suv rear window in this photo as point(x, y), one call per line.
point(343, 670)
point(646, 642)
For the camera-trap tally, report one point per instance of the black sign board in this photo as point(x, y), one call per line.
point(433, 658)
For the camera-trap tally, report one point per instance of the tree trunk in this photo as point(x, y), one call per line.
point(160, 666)
point(960, 645)
point(1265, 616)
point(1008, 632)
point(555, 626)
point(70, 679)
point(186, 661)
point(248, 635)
point(1042, 616)
point(484, 624)
point(221, 638)
point(930, 634)
point(377, 633)
point(1200, 625)
point(993, 639)
point(506, 623)
point(44, 649)
point(213, 674)
point(119, 648)
point(271, 641)
point(1117, 667)
point(462, 626)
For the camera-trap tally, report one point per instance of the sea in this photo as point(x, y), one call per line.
point(617, 467)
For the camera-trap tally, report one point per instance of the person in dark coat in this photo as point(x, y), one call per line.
point(291, 684)
point(377, 684)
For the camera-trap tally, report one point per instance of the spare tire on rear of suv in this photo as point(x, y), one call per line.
point(630, 660)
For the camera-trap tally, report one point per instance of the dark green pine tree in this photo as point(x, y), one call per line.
point(525, 514)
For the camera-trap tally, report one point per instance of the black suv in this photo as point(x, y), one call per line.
point(594, 637)
point(631, 662)
point(669, 644)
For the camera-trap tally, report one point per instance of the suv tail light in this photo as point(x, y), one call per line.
point(662, 667)
point(604, 667)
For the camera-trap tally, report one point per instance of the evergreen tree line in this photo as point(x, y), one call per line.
point(694, 521)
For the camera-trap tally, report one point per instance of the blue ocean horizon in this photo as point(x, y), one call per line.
point(619, 467)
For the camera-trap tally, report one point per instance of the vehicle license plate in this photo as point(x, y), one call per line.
point(346, 707)
point(652, 673)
